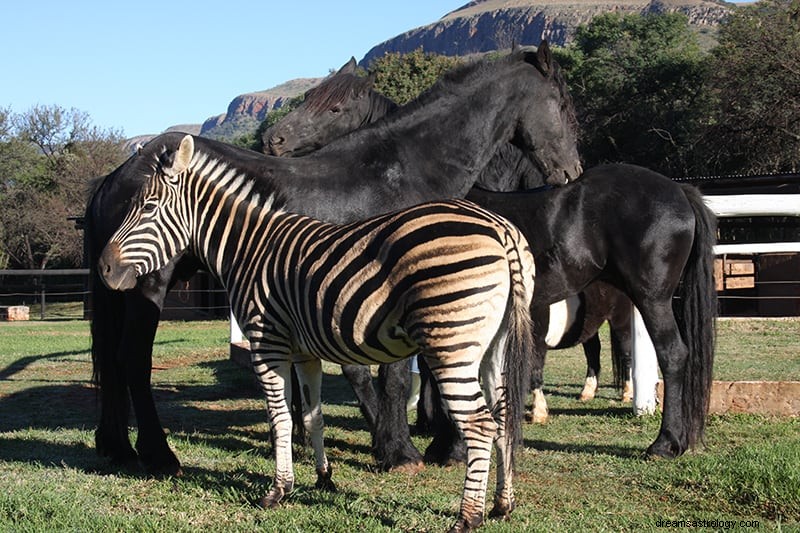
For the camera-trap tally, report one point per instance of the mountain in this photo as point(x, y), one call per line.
point(479, 26)
point(247, 111)
point(244, 114)
point(486, 25)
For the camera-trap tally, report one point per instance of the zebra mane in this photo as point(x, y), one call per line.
point(259, 190)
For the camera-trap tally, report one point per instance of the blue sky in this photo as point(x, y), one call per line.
point(145, 65)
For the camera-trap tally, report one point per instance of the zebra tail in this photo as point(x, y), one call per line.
point(518, 359)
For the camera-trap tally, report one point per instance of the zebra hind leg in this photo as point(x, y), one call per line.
point(465, 404)
point(309, 374)
point(493, 381)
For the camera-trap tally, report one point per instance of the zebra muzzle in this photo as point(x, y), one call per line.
point(114, 274)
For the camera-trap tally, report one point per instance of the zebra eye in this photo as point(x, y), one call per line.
point(149, 207)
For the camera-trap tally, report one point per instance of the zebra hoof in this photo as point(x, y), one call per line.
point(462, 524)
point(324, 481)
point(274, 497)
point(502, 508)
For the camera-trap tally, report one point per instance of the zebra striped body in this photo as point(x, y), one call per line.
point(447, 279)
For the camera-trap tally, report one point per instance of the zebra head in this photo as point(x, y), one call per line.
point(156, 228)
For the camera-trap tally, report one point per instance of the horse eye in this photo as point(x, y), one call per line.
point(336, 109)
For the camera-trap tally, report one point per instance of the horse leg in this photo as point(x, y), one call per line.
point(111, 435)
point(360, 380)
point(591, 350)
point(541, 318)
point(309, 377)
point(391, 440)
point(138, 336)
point(672, 355)
point(621, 356)
point(447, 447)
point(466, 406)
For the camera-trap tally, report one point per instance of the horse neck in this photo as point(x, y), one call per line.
point(454, 130)
point(379, 107)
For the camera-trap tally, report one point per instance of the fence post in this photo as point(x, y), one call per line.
point(236, 332)
point(42, 299)
point(644, 367)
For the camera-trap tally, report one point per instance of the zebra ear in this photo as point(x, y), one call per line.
point(182, 157)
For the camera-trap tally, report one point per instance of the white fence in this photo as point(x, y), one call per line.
point(645, 366)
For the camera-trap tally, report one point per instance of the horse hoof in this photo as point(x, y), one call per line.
point(661, 450)
point(586, 396)
point(536, 418)
point(409, 468)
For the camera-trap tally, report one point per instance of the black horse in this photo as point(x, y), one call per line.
point(546, 217)
point(431, 149)
point(344, 102)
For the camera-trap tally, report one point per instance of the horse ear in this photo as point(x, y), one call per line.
point(183, 157)
point(349, 67)
point(542, 59)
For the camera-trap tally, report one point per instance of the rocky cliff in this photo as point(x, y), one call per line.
point(485, 25)
point(253, 107)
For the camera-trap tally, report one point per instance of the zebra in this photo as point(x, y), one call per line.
point(447, 279)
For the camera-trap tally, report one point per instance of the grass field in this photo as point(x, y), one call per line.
point(583, 471)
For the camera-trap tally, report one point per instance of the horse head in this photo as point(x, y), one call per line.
point(340, 104)
point(547, 128)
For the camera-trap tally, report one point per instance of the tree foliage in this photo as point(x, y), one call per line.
point(47, 157)
point(402, 77)
point(756, 80)
point(638, 83)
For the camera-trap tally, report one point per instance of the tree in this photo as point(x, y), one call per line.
point(402, 77)
point(755, 77)
point(47, 158)
point(638, 85)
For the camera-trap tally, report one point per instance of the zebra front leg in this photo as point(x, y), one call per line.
point(274, 372)
point(309, 375)
point(465, 404)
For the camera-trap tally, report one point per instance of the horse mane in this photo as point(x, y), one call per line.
point(335, 90)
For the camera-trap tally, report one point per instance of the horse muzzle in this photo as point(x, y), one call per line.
point(564, 176)
point(114, 274)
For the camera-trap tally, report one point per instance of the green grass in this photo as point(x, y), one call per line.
point(583, 471)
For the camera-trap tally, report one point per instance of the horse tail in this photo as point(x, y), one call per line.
point(107, 309)
point(696, 312)
point(619, 368)
point(519, 347)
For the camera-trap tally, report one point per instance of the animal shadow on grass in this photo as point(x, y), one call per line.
point(187, 408)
